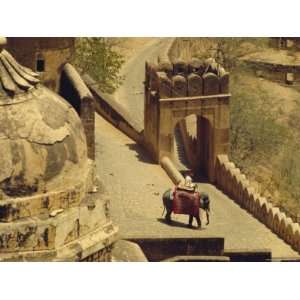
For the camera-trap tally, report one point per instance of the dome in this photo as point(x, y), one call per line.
point(42, 141)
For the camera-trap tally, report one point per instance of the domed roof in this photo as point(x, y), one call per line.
point(42, 141)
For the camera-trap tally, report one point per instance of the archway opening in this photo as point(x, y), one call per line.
point(192, 146)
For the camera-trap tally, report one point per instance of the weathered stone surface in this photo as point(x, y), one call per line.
point(224, 83)
point(196, 66)
point(5, 159)
point(167, 67)
point(271, 216)
point(179, 86)
point(165, 85)
point(35, 151)
point(195, 85)
point(46, 176)
point(180, 67)
point(162, 113)
point(126, 251)
point(296, 239)
point(277, 221)
point(14, 78)
point(211, 84)
point(53, 51)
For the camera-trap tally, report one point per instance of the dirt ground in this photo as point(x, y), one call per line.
point(128, 46)
point(279, 96)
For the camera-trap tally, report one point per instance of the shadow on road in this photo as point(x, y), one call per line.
point(141, 154)
point(177, 224)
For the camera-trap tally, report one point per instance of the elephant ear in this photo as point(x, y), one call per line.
point(204, 195)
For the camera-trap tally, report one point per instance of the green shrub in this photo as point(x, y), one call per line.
point(97, 58)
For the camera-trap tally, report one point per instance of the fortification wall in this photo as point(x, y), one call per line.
point(75, 91)
point(171, 170)
point(186, 79)
point(235, 184)
point(113, 112)
point(281, 73)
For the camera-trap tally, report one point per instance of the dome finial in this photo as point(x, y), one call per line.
point(3, 42)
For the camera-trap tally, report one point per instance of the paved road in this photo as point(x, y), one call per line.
point(131, 93)
point(135, 185)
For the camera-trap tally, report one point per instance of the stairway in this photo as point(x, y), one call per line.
point(180, 159)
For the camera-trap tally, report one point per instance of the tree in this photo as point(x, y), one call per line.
point(97, 58)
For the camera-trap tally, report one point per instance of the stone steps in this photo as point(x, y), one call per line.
point(180, 159)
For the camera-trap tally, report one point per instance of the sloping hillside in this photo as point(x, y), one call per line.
point(265, 118)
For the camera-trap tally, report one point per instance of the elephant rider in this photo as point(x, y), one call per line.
point(188, 185)
point(186, 199)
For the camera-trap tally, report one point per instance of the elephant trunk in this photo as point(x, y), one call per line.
point(207, 216)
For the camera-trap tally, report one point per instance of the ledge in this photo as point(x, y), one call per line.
point(196, 98)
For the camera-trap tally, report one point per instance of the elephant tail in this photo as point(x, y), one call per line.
point(163, 210)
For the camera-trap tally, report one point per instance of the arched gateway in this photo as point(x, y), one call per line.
point(175, 91)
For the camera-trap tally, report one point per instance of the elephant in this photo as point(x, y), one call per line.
point(168, 206)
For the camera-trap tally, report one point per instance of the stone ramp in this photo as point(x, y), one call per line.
point(134, 185)
point(180, 159)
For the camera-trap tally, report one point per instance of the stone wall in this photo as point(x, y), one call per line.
point(113, 112)
point(58, 226)
point(291, 43)
point(15, 208)
point(74, 90)
point(159, 249)
point(53, 51)
point(187, 79)
point(171, 170)
point(235, 184)
point(281, 73)
point(189, 144)
point(176, 90)
point(103, 255)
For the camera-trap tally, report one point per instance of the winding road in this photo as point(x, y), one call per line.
point(131, 92)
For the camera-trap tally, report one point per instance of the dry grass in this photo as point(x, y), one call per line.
point(128, 46)
point(263, 171)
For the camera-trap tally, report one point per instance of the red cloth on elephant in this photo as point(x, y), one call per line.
point(186, 203)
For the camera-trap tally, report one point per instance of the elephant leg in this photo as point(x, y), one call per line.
point(168, 216)
point(190, 221)
point(198, 221)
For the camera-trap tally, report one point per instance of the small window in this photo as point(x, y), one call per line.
point(40, 65)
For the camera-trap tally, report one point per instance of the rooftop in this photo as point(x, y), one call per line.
point(14, 78)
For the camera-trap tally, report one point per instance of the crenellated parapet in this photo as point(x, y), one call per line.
point(182, 79)
point(235, 184)
point(176, 90)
